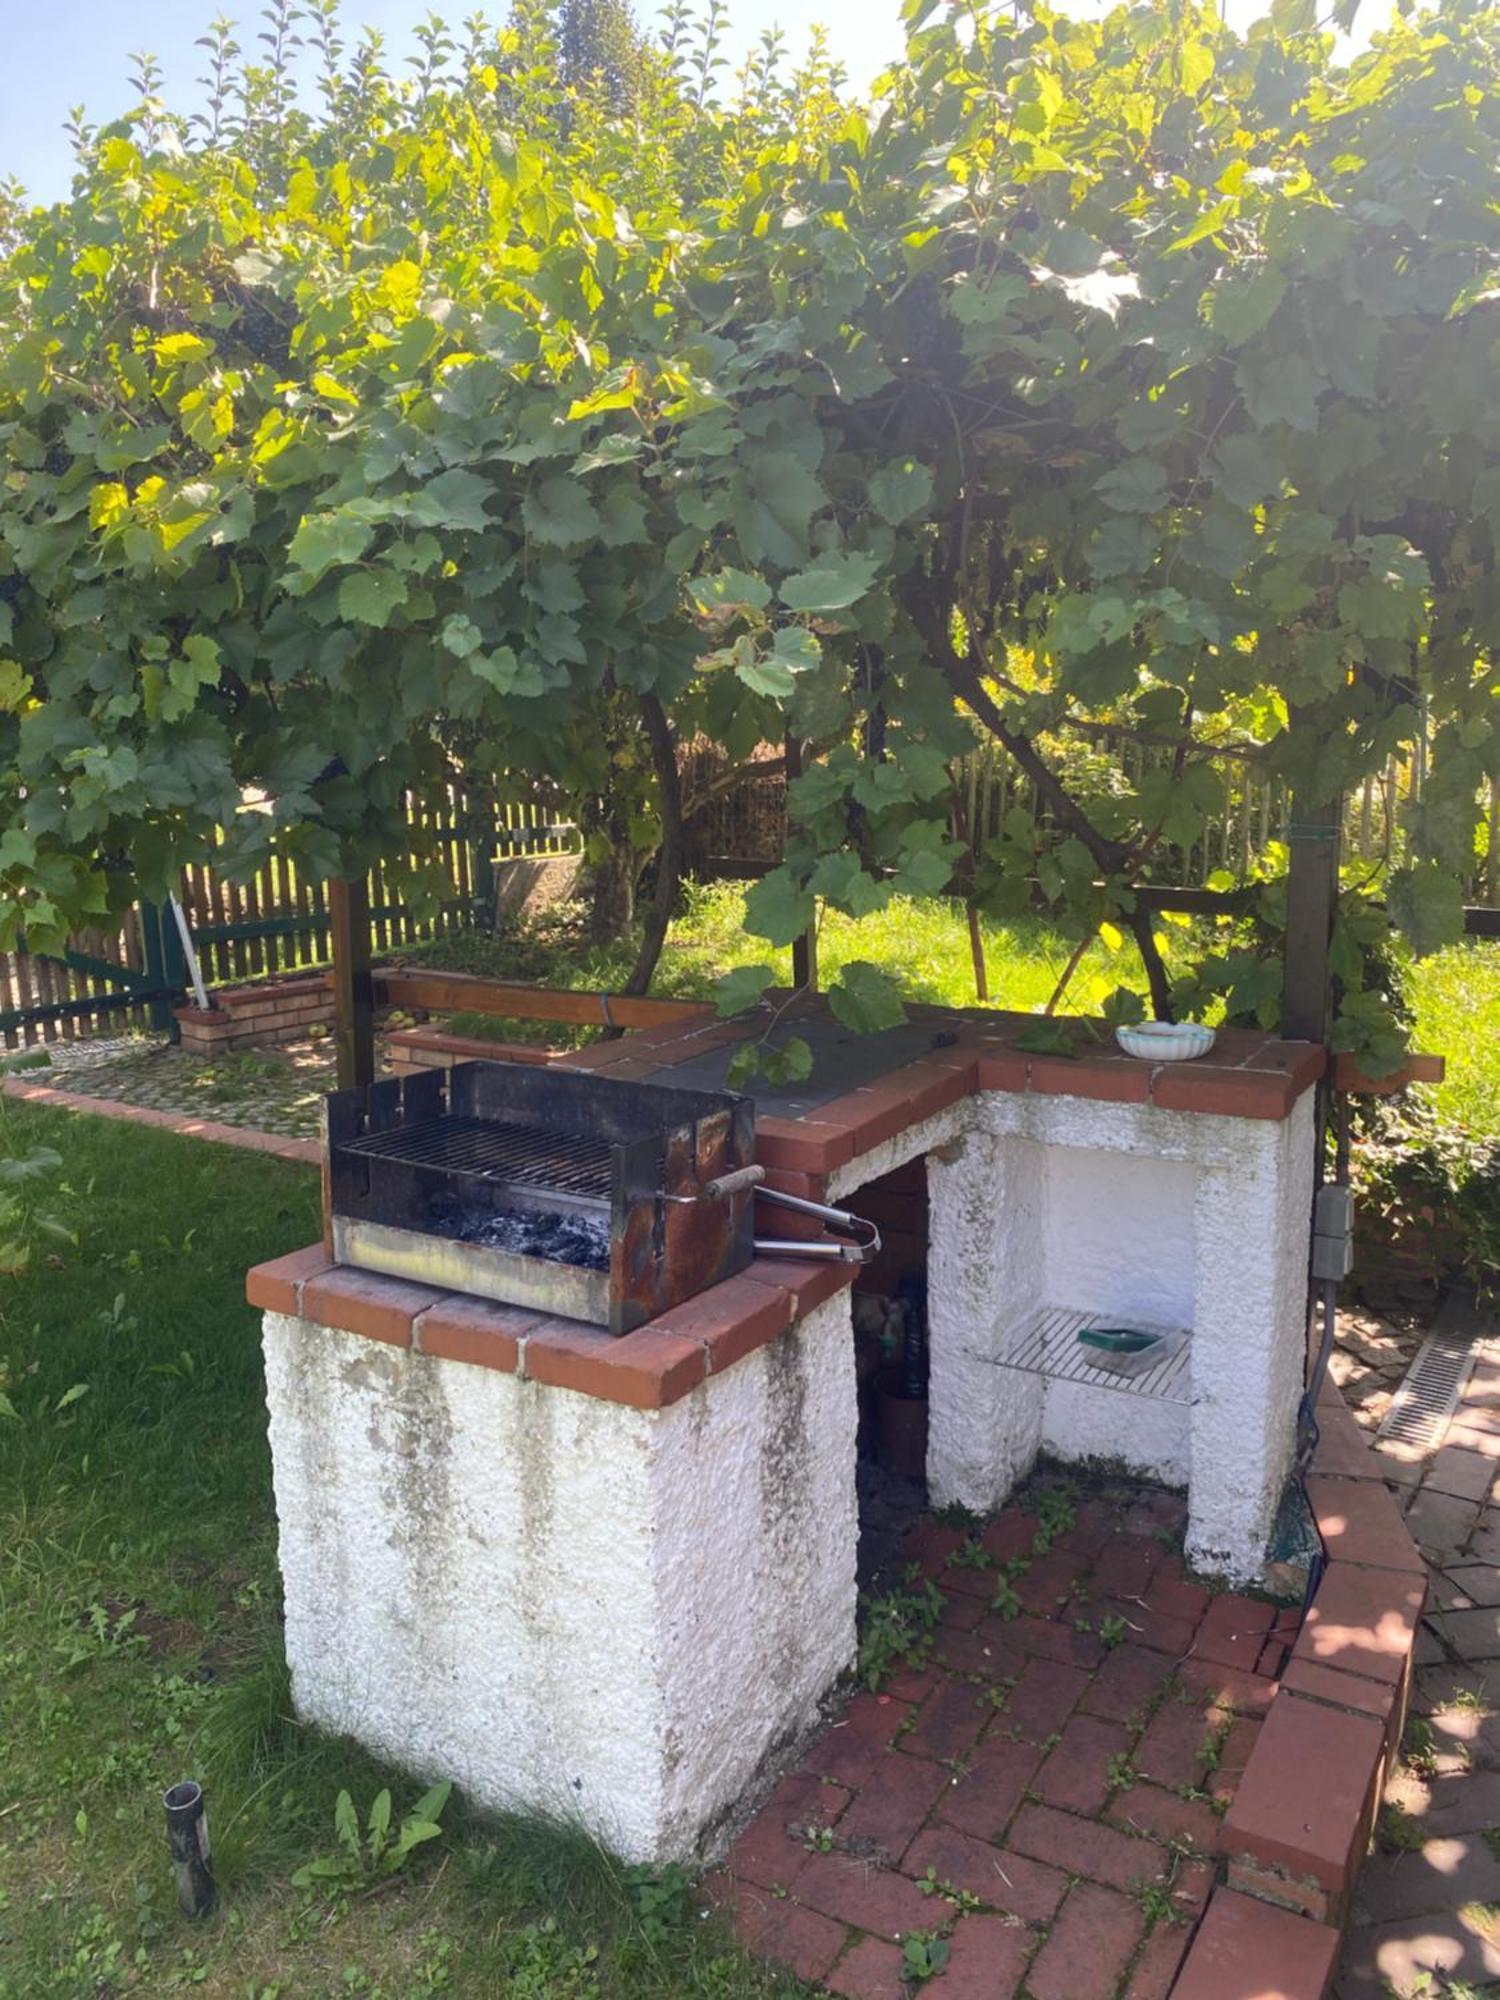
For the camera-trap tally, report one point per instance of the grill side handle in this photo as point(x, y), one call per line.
point(730, 1184)
point(861, 1239)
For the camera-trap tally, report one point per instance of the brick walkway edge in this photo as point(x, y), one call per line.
point(1300, 1826)
point(1103, 1784)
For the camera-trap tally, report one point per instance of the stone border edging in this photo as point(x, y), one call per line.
point(248, 1138)
point(1297, 1832)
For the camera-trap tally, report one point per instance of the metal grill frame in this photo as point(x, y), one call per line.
point(662, 1145)
point(1046, 1343)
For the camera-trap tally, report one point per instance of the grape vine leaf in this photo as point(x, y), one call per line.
point(834, 582)
point(455, 499)
point(369, 597)
point(560, 512)
point(865, 998)
point(322, 541)
point(1428, 906)
point(729, 591)
point(506, 674)
point(742, 987)
point(775, 499)
point(900, 490)
point(778, 908)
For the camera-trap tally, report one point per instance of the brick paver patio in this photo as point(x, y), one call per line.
point(1042, 1790)
point(1427, 1910)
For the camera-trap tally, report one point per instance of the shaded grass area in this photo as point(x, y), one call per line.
point(140, 1642)
point(1455, 995)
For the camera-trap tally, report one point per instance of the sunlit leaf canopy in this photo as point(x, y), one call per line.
point(1120, 372)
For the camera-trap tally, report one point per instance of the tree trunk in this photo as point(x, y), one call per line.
point(1151, 959)
point(669, 854)
point(611, 888)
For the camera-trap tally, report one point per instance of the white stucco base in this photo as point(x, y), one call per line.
point(1130, 1212)
point(609, 1615)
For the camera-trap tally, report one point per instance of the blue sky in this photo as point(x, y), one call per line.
point(78, 52)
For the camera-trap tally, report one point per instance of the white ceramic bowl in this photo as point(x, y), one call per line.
point(1165, 1041)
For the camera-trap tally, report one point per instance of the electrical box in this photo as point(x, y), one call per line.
point(1333, 1233)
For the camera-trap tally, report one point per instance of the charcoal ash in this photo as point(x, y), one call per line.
point(563, 1237)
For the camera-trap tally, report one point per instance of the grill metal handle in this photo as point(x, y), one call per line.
point(862, 1238)
point(860, 1242)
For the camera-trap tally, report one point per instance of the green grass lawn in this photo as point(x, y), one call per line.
point(140, 1643)
point(1455, 994)
point(923, 941)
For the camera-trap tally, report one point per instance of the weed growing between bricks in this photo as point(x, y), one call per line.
point(1051, 1717)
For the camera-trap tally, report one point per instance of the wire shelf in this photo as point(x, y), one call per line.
point(1046, 1345)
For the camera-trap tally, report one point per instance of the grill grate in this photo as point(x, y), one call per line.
point(484, 1149)
point(1429, 1392)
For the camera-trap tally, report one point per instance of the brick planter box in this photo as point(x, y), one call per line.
point(243, 1017)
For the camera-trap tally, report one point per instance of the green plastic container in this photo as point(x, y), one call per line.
point(1125, 1350)
point(1119, 1339)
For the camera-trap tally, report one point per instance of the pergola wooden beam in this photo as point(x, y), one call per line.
point(1312, 893)
point(358, 989)
point(353, 987)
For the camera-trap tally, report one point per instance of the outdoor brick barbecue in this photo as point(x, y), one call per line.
point(613, 1576)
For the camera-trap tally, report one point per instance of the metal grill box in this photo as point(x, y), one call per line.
point(544, 1187)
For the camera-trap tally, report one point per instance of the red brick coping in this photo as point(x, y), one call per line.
point(649, 1369)
point(1248, 1075)
point(1103, 1074)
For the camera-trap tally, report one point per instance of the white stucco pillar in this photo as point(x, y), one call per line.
point(612, 1615)
point(986, 1194)
point(1251, 1228)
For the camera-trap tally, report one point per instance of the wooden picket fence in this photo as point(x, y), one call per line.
point(276, 923)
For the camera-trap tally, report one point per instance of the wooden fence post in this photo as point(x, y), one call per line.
point(156, 938)
point(1312, 890)
point(353, 988)
point(482, 831)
